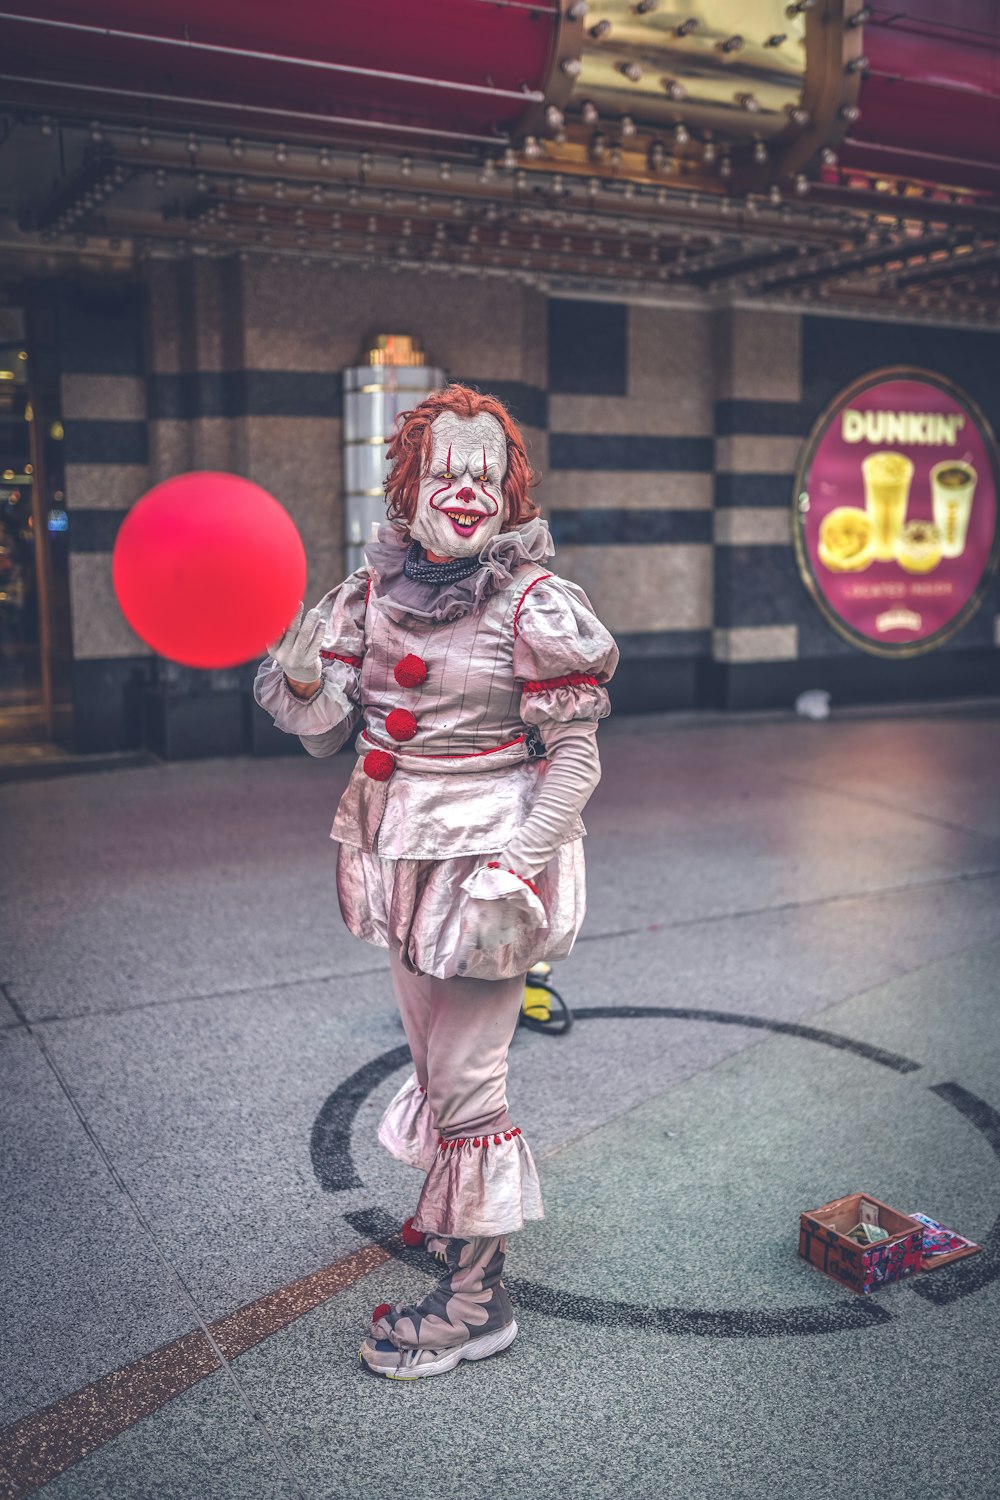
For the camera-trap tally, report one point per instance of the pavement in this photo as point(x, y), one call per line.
point(787, 990)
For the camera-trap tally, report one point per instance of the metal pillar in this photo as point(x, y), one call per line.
point(395, 379)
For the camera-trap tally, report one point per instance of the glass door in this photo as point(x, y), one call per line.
point(33, 564)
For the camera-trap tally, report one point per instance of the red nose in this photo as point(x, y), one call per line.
point(466, 495)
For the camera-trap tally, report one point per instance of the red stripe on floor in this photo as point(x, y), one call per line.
point(37, 1448)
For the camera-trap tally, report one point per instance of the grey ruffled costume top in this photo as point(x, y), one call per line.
point(510, 648)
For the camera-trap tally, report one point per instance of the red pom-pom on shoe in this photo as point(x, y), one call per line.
point(381, 1311)
point(411, 672)
point(410, 1235)
point(379, 765)
point(401, 724)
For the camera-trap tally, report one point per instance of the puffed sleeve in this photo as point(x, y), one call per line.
point(326, 720)
point(563, 655)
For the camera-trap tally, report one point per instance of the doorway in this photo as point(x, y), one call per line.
point(35, 646)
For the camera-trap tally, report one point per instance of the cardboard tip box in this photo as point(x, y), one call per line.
point(824, 1243)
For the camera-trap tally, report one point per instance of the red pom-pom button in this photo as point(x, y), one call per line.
point(401, 724)
point(411, 672)
point(410, 1235)
point(379, 765)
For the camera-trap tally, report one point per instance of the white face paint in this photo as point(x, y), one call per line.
point(460, 505)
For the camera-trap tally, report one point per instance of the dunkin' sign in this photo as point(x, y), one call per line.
point(896, 511)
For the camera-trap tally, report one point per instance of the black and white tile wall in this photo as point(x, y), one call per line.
point(667, 440)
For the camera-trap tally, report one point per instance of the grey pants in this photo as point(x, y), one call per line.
point(459, 1031)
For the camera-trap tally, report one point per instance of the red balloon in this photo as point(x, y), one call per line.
point(208, 568)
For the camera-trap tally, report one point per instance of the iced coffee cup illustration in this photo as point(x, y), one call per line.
point(887, 489)
point(953, 484)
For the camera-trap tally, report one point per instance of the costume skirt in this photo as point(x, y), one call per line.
point(416, 905)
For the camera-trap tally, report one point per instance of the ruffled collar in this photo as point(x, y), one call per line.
point(409, 599)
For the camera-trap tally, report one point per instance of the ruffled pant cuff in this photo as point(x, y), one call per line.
point(480, 1185)
point(407, 1128)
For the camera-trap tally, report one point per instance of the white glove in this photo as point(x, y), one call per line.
point(500, 912)
point(297, 650)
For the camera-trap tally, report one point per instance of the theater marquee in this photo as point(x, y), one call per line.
point(895, 511)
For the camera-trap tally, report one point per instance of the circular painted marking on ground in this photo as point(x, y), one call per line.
point(333, 1164)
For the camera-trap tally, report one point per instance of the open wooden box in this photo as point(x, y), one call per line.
point(823, 1241)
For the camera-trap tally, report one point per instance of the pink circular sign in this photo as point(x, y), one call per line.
point(896, 511)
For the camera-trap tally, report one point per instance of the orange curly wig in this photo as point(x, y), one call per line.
point(410, 451)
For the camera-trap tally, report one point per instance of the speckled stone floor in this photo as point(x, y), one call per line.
point(787, 990)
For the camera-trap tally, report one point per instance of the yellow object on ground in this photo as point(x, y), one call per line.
point(537, 1001)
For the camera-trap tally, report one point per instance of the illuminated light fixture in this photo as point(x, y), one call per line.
point(776, 40)
point(709, 152)
point(828, 156)
point(644, 7)
point(860, 17)
point(798, 115)
point(236, 148)
point(802, 184)
point(508, 161)
point(45, 126)
point(6, 374)
point(726, 168)
point(749, 103)
point(856, 65)
point(850, 113)
point(656, 156)
point(760, 153)
point(673, 89)
point(615, 156)
point(589, 112)
point(192, 143)
point(627, 126)
point(686, 27)
point(774, 194)
point(554, 117)
point(599, 29)
point(531, 149)
point(444, 171)
point(572, 67)
point(731, 44)
point(681, 134)
point(631, 71)
point(798, 7)
point(577, 11)
point(160, 179)
point(96, 132)
point(598, 146)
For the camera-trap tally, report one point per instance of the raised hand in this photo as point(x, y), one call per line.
point(297, 650)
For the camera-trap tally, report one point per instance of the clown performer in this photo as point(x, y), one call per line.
point(475, 675)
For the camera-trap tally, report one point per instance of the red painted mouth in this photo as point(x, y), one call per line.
point(464, 521)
